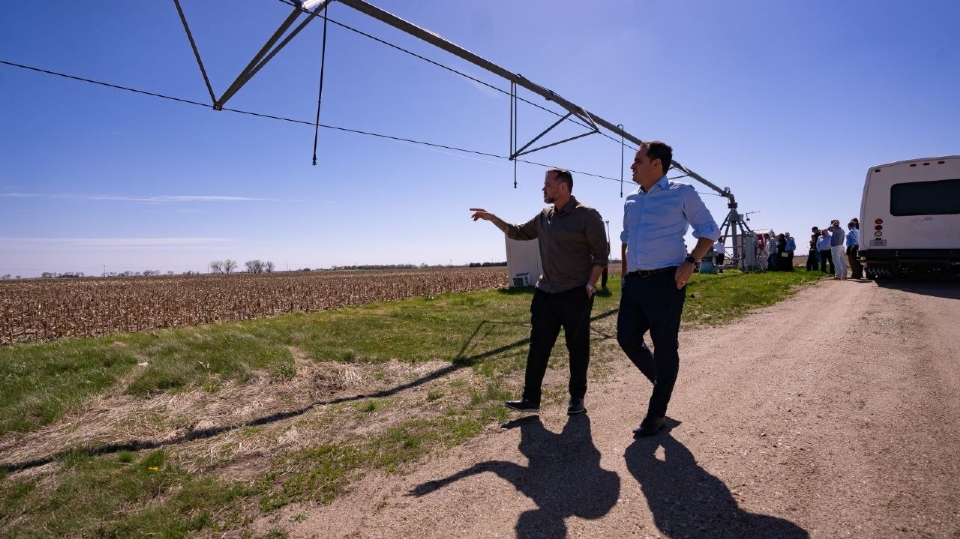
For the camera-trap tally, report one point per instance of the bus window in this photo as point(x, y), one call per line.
point(925, 198)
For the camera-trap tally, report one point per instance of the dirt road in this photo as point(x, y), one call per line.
point(833, 414)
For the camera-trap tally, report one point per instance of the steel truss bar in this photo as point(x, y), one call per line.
point(266, 54)
point(515, 78)
point(193, 45)
point(521, 151)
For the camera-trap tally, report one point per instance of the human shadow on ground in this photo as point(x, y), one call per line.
point(686, 501)
point(459, 361)
point(563, 478)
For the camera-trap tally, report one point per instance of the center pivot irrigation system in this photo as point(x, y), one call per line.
point(733, 225)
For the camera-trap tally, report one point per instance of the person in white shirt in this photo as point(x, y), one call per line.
point(720, 250)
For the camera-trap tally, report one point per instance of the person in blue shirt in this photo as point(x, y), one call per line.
point(837, 250)
point(853, 249)
point(656, 268)
point(790, 248)
point(823, 245)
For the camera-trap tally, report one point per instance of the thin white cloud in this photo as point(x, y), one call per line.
point(111, 243)
point(160, 199)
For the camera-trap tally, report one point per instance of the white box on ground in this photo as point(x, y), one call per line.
point(523, 262)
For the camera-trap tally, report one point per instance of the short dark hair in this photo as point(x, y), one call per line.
point(662, 151)
point(563, 175)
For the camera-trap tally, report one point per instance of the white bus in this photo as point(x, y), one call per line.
point(910, 217)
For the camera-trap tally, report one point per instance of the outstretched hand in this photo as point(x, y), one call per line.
point(480, 213)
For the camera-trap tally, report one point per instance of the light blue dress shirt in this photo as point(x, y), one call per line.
point(655, 222)
point(853, 237)
point(823, 243)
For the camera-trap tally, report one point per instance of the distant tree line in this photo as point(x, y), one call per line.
point(80, 274)
point(230, 266)
point(375, 267)
point(252, 266)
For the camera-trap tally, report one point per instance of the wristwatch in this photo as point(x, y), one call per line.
point(591, 288)
point(690, 260)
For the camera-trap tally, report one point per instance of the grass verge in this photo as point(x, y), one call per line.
point(160, 492)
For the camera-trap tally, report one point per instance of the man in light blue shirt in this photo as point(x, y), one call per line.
point(853, 249)
point(790, 248)
point(656, 269)
point(823, 245)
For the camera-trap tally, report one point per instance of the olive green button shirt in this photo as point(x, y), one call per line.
point(572, 241)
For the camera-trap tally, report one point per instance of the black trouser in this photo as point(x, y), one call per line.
point(813, 260)
point(548, 313)
point(826, 261)
point(652, 304)
point(856, 268)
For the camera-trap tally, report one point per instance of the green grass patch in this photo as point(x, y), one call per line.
point(115, 496)
point(714, 299)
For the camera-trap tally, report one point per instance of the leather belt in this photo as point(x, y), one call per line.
point(648, 273)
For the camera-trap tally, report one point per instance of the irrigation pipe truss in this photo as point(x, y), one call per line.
point(313, 8)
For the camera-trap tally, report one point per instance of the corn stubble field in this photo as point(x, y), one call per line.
point(48, 309)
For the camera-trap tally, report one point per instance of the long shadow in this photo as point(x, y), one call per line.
point(459, 362)
point(563, 478)
point(686, 501)
point(943, 286)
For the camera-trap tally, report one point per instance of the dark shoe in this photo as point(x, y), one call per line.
point(576, 406)
point(648, 427)
point(523, 405)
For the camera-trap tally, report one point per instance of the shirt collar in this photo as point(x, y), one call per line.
point(568, 207)
point(662, 183)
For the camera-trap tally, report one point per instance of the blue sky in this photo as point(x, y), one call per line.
point(785, 103)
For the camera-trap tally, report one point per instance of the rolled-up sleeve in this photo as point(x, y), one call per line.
point(702, 223)
point(524, 232)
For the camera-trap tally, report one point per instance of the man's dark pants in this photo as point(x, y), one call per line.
point(853, 256)
point(652, 304)
point(826, 261)
point(569, 310)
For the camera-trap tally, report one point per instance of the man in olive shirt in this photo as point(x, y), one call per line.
point(573, 251)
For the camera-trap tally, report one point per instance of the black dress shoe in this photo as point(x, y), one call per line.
point(576, 406)
point(523, 405)
point(648, 427)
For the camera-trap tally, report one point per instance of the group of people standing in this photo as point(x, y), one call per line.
point(777, 250)
point(831, 250)
point(655, 268)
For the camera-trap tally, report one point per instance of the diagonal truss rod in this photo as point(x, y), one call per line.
point(519, 80)
point(264, 55)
